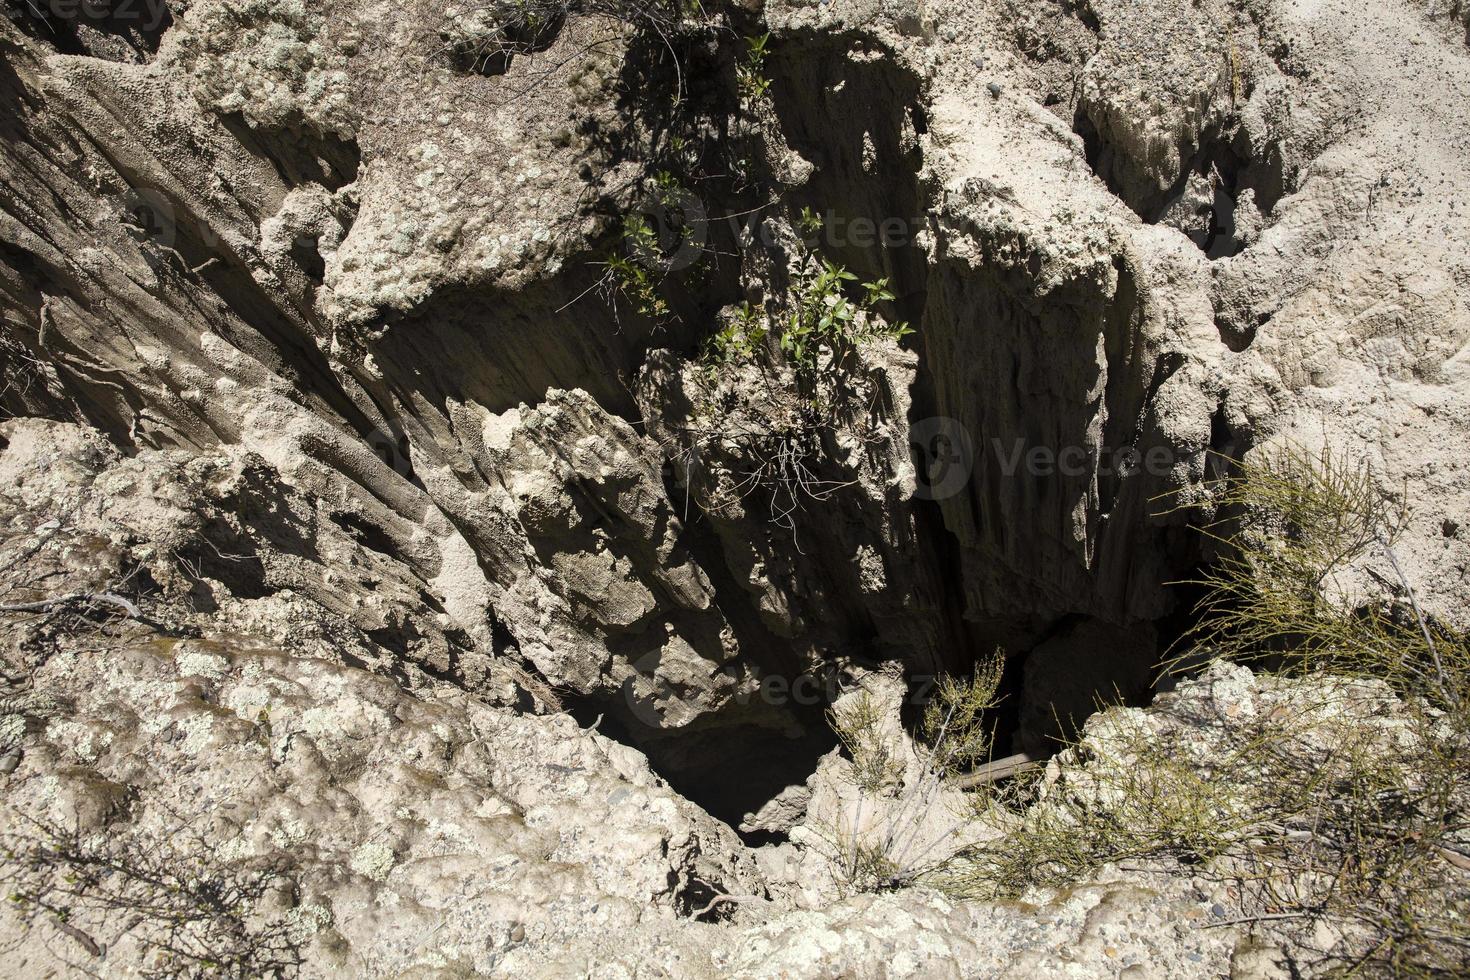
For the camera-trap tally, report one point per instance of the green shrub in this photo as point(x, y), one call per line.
point(1345, 804)
point(818, 333)
point(777, 383)
point(824, 325)
point(629, 273)
point(750, 75)
point(894, 848)
point(1293, 525)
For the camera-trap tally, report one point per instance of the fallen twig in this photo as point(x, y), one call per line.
point(725, 898)
point(1253, 919)
point(994, 772)
point(90, 598)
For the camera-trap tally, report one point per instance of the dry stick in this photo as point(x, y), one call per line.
point(1418, 615)
point(994, 772)
point(725, 898)
point(87, 942)
point(1253, 919)
point(46, 605)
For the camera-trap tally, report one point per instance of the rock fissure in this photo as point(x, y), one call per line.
point(530, 429)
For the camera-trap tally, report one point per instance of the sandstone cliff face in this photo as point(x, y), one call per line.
point(316, 309)
point(251, 234)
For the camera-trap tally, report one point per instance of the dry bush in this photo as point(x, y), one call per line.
point(190, 912)
point(1346, 805)
point(1295, 525)
point(898, 847)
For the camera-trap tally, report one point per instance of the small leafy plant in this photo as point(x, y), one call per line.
point(823, 325)
point(628, 272)
point(804, 377)
point(750, 74)
point(741, 339)
point(810, 223)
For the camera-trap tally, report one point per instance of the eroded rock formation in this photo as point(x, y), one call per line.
point(312, 349)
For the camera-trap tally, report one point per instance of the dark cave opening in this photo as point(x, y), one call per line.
point(1222, 160)
point(731, 771)
point(733, 762)
point(864, 177)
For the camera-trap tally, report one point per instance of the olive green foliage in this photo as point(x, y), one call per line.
point(807, 383)
point(858, 723)
point(809, 223)
point(637, 266)
point(884, 843)
point(740, 340)
point(631, 275)
point(1294, 524)
point(1345, 805)
point(750, 74)
point(816, 338)
point(824, 324)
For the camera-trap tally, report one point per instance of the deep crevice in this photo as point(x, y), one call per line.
point(297, 157)
point(1203, 201)
point(113, 30)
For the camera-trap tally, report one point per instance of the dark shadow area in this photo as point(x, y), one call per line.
point(856, 121)
point(1222, 158)
point(502, 348)
point(114, 30)
point(299, 158)
point(728, 767)
point(492, 56)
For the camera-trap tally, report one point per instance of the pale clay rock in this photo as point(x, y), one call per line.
point(308, 297)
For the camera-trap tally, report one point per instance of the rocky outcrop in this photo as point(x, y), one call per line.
point(329, 279)
point(388, 831)
point(311, 335)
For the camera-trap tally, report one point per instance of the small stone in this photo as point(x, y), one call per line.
point(9, 761)
point(994, 89)
point(1217, 910)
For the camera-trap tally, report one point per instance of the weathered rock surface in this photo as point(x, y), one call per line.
point(303, 258)
point(304, 350)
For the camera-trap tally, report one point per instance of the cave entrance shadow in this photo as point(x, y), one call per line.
point(730, 769)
